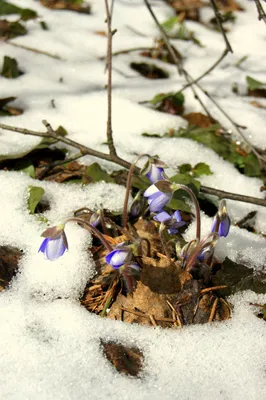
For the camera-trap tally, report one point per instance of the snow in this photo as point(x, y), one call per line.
point(48, 340)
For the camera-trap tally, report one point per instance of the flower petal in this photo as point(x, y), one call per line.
point(162, 217)
point(151, 191)
point(43, 245)
point(54, 248)
point(159, 201)
point(155, 173)
point(224, 227)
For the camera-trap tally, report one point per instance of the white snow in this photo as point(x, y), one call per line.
point(50, 345)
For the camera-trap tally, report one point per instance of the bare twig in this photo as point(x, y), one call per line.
point(261, 12)
point(109, 68)
point(32, 49)
point(210, 69)
point(233, 196)
point(130, 50)
point(84, 150)
point(219, 20)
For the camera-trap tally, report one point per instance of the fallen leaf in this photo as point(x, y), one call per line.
point(126, 359)
point(10, 30)
point(149, 71)
point(71, 5)
point(198, 119)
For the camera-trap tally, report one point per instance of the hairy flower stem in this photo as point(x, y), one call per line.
point(92, 229)
point(197, 207)
point(128, 186)
point(162, 238)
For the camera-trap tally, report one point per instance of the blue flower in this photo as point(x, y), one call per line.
point(172, 222)
point(221, 223)
point(55, 243)
point(119, 256)
point(156, 198)
point(155, 173)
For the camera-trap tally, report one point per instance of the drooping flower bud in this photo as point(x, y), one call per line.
point(55, 243)
point(221, 223)
point(159, 194)
point(119, 256)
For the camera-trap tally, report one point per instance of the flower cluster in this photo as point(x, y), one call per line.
point(159, 193)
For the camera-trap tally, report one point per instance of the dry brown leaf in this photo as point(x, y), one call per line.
point(66, 5)
point(229, 5)
point(198, 119)
point(125, 359)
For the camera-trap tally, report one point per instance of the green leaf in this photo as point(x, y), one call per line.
point(61, 131)
point(170, 23)
point(10, 30)
point(187, 180)
point(184, 168)
point(140, 182)
point(97, 174)
point(253, 84)
point(201, 169)
point(178, 98)
point(30, 170)
point(10, 68)
point(9, 8)
point(35, 195)
point(27, 13)
point(178, 204)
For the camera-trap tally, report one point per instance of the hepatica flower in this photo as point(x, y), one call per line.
point(55, 243)
point(154, 170)
point(119, 256)
point(172, 222)
point(221, 223)
point(155, 173)
point(158, 195)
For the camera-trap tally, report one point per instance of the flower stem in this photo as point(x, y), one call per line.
point(128, 186)
point(93, 230)
point(164, 245)
point(197, 207)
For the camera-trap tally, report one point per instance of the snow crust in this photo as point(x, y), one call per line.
point(50, 346)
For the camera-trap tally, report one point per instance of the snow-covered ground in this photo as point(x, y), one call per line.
point(50, 346)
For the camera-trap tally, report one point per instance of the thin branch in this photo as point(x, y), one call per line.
point(44, 53)
point(219, 20)
point(261, 12)
point(233, 196)
point(130, 50)
point(109, 132)
point(210, 69)
point(84, 150)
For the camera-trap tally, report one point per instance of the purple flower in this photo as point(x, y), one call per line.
point(157, 199)
point(155, 173)
point(55, 243)
point(221, 223)
point(119, 256)
point(172, 222)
